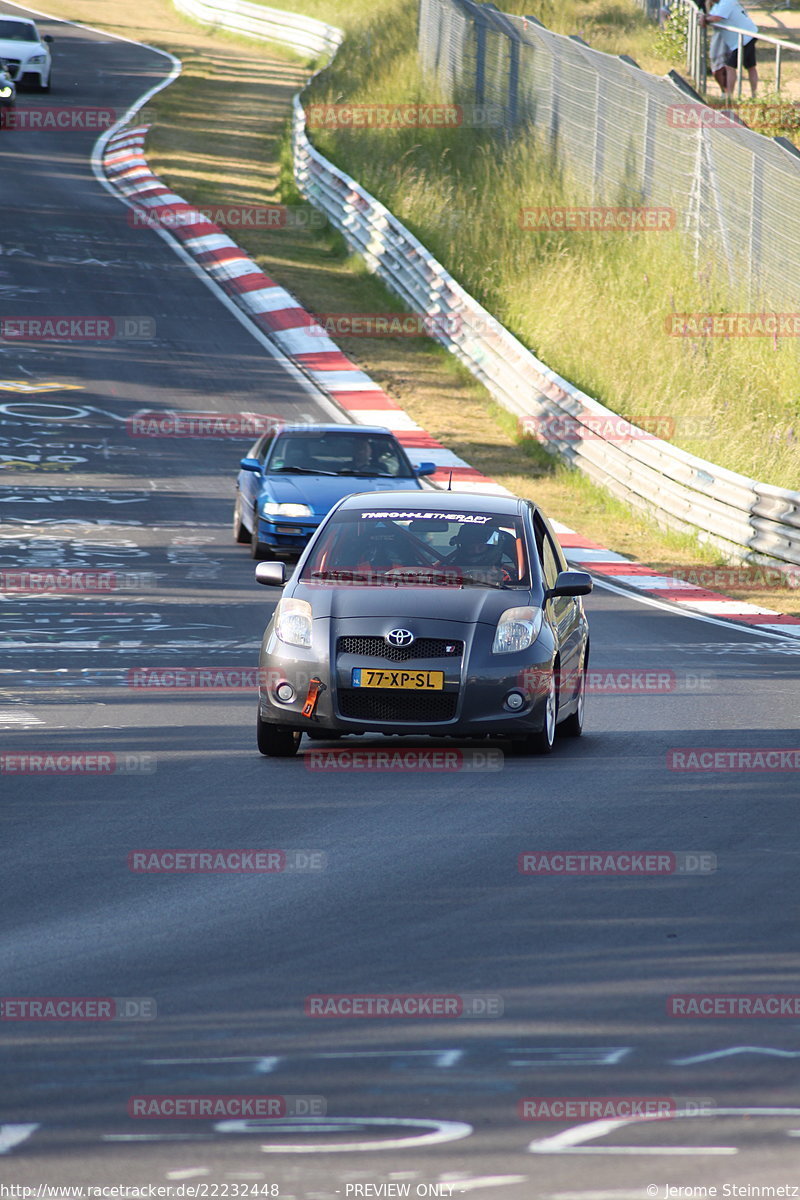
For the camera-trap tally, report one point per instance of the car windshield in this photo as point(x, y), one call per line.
point(17, 31)
point(420, 549)
point(362, 455)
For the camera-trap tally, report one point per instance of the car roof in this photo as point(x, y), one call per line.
point(456, 502)
point(17, 20)
point(333, 428)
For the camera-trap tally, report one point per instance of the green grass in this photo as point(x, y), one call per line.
point(593, 306)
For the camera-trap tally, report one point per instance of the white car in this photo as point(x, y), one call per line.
point(25, 52)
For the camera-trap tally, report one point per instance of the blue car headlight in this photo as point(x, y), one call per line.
point(270, 508)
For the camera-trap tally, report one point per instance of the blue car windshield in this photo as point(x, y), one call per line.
point(364, 455)
point(420, 548)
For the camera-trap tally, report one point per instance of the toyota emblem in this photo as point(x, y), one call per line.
point(400, 637)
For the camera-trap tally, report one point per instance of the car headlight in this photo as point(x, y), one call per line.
point(5, 92)
point(517, 629)
point(37, 58)
point(271, 509)
point(293, 622)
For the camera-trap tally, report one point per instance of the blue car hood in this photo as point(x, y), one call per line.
point(321, 492)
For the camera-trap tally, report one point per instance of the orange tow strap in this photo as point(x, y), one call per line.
point(315, 688)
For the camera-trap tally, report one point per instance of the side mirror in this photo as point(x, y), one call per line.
point(425, 468)
point(250, 464)
point(271, 574)
point(570, 583)
point(47, 38)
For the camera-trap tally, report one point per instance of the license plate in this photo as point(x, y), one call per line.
point(410, 681)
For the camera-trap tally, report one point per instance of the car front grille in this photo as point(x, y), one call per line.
point(377, 647)
point(377, 704)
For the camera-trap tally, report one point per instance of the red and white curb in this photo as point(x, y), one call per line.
point(276, 312)
point(279, 315)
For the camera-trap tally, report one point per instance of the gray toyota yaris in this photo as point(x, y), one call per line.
point(444, 614)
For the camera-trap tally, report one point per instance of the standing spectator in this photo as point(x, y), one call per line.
point(717, 52)
point(730, 12)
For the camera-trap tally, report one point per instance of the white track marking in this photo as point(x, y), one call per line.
point(472, 1185)
point(13, 1135)
point(436, 1133)
point(700, 1058)
point(569, 1141)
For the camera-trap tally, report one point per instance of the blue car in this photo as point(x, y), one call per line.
point(294, 475)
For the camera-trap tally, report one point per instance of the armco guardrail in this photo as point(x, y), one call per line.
point(745, 518)
point(267, 24)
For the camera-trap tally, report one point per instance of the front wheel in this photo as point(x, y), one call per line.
point(257, 548)
point(276, 742)
point(542, 741)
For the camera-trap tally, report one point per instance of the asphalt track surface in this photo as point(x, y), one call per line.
point(420, 892)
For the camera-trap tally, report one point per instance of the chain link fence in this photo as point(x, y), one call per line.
point(628, 137)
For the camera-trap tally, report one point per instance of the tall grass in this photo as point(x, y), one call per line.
point(591, 305)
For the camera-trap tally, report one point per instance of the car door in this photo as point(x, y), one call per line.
point(563, 612)
point(250, 482)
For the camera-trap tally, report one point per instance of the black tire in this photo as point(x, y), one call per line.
point(257, 548)
point(572, 726)
point(543, 740)
point(276, 742)
point(241, 533)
